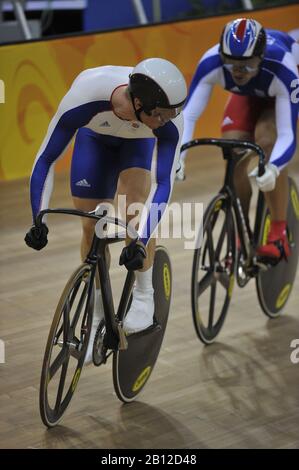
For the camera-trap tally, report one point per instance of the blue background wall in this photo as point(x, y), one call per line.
point(110, 14)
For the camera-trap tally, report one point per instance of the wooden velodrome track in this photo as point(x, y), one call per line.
point(241, 392)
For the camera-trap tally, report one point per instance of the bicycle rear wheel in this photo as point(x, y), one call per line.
point(133, 367)
point(274, 285)
point(213, 270)
point(66, 346)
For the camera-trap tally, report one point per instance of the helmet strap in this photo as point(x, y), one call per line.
point(136, 111)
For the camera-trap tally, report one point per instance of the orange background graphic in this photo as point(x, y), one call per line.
point(38, 74)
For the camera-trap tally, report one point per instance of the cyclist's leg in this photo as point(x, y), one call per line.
point(135, 183)
point(277, 200)
point(241, 180)
point(239, 119)
point(93, 178)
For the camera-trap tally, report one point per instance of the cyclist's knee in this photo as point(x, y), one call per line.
point(265, 136)
point(135, 185)
point(266, 143)
point(138, 197)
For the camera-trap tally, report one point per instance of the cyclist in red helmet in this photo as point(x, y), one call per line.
point(259, 68)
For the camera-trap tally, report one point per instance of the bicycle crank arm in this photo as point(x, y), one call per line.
point(123, 342)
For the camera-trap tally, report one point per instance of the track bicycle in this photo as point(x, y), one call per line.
point(218, 261)
point(134, 356)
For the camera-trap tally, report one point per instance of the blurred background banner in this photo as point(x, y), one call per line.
point(34, 76)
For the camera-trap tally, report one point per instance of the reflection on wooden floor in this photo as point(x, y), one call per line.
point(241, 392)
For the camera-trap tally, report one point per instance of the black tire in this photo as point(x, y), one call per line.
point(133, 366)
point(69, 334)
point(274, 286)
point(214, 265)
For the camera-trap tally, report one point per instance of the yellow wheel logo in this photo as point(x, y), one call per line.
point(142, 379)
point(283, 296)
point(266, 229)
point(295, 201)
point(231, 285)
point(218, 206)
point(166, 281)
point(75, 379)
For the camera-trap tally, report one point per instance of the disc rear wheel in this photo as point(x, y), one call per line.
point(133, 366)
point(274, 285)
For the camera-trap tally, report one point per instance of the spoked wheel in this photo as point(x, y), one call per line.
point(213, 269)
point(133, 366)
point(66, 346)
point(274, 285)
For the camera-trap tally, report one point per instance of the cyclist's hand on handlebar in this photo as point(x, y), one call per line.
point(133, 255)
point(267, 181)
point(36, 237)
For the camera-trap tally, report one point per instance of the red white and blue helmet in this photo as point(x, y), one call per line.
point(243, 39)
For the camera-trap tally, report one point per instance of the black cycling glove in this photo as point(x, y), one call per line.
point(36, 237)
point(133, 255)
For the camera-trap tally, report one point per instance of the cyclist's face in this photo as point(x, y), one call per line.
point(159, 117)
point(242, 70)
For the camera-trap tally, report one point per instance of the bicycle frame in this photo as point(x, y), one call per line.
point(247, 238)
point(114, 337)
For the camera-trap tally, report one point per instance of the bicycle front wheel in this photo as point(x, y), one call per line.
point(213, 269)
point(66, 345)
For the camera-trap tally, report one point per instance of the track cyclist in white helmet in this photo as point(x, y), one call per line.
point(119, 115)
point(259, 67)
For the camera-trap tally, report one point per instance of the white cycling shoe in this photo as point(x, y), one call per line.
point(98, 315)
point(141, 313)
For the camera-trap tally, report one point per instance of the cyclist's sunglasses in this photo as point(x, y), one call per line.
point(167, 113)
point(240, 68)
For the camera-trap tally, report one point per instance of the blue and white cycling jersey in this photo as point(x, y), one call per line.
point(278, 78)
point(88, 104)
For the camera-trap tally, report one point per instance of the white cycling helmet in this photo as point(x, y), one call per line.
point(243, 39)
point(158, 84)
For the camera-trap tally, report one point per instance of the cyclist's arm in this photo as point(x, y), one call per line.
point(168, 152)
point(208, 73)
point(286, 111)
point(72, 114)
point(194, 108)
